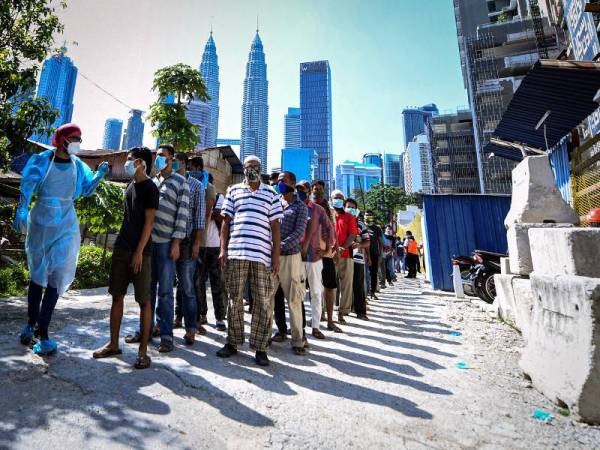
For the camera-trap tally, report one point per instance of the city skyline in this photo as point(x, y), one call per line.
point(327, 31)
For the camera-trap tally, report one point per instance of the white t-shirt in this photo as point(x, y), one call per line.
point(213, 237)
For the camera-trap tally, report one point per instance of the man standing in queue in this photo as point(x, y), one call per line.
point(250, 246)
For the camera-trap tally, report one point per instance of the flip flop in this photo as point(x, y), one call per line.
point(106, 352)
point(334, 328)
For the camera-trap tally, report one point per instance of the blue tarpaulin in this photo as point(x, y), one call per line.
point(459, 224)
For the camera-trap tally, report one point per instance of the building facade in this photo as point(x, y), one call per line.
point(302, 162)
point(209, 69)
point(199, 113)
point(499, 41)
point(255, 108)
point(353, 177)
point(113, 128)
point(135, 129)
point(392, 171)
point(292, 129)
point(454, 162)
point(417, 166)
point(316, 118)
point(57, 85)
point(414, 120)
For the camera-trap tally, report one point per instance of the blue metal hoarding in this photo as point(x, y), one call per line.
point(459, 224)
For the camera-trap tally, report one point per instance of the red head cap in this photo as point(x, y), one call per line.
point(65, 131)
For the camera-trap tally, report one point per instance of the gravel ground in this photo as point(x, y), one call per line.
point(391, 382)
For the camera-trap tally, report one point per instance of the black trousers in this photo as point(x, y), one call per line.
point(358, 286)
point(411, 264)
point(209, 268)
point(279, 312)
point(373, 272)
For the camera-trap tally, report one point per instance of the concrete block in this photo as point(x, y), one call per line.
point(505, 266)
point(523, 295)
point(515, 301)
point(519, 250)
point(562, 355)
point(505, 299)
point(565, 251)
point(535, 197)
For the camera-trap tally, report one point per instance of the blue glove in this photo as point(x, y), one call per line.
point(103, 168)
point(20, 223)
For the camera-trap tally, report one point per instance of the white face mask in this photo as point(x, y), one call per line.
point(73, 148)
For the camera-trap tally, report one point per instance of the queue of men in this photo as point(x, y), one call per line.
point(275, 244)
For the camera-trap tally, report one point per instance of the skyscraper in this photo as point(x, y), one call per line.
point(255, 108)
point(499, 41)
point(113, 129)
point(414, 120)
point(315, 106)
point(293, 129)
point(199, 114)
point(454, 162)
point(392, 174)
point(209, 69)
point(57, 85)
point(417, 166)
point(301, 161)
point(355, 178)
point(135, 129)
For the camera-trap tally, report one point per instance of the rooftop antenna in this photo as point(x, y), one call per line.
point(257, 23)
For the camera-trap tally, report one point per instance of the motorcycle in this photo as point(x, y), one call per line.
point(477, 273)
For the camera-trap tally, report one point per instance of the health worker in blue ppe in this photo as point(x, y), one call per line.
point(56, 178)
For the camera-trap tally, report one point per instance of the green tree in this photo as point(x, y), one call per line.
point(102, 212)
point(185, 84)
point(384, 200)
point(27, 30)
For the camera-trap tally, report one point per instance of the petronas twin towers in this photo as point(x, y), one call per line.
point(255, 108)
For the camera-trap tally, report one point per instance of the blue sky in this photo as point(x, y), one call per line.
point(384, 55)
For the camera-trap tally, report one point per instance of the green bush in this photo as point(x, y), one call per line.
point(13, 280)
point(91, 273)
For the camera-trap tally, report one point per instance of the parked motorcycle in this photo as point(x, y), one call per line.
point(477, 273)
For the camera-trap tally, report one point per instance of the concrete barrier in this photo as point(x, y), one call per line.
point(515, 301)
point(562, 355)
point(535, 197)
point(519, 249)
point(565, 251)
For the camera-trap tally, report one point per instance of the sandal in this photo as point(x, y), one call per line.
point(201, 330)
point(133, 338)
point(106, 352)
point(142, 362)
point(333, 327)
point(189, 338)
point(166, 347)
point(318, 334)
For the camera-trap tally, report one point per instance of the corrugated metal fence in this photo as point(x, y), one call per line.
point(559, 160)
point(459, 224)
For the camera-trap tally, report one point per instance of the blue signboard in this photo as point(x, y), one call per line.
point(585, 45)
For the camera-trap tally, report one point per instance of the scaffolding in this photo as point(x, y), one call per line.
point(538, 28)
point(486, 98)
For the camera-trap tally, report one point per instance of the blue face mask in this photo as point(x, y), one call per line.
point(176, 166)
point(337, 203)
point(129, 168)
point(352, 211)
point(160, 162)
point(284, 188)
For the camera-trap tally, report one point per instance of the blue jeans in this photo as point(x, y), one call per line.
point(389, 263)
point(163, 278)
point(186, 269)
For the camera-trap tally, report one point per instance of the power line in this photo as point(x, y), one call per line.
point(105, 91)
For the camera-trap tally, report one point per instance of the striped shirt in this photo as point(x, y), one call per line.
point(171, 217)
point(251, 214)
point(197, 216)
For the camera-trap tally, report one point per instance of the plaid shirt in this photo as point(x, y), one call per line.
point(196, 217)
point(293, 225)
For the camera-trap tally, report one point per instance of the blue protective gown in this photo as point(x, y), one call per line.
point(53, 238)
